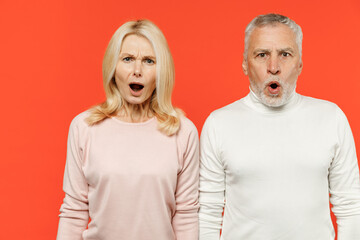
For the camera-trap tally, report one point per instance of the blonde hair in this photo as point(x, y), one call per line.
point(167, 116)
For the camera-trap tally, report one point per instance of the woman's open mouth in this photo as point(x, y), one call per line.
point(136, 87)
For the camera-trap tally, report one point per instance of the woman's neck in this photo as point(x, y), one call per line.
point(135, 112)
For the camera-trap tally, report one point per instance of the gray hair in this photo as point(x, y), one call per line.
point(272, 19)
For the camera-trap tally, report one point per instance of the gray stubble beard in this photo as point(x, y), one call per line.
point(273, 100)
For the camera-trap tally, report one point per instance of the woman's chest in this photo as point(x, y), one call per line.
point(133, 158)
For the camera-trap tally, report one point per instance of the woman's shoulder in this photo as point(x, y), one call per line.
point(186, 123)
point(79, 121)
point(187, 127)
point(187, 139)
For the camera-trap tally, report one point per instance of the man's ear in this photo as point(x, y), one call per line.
point(300, 67)
point(245, 67)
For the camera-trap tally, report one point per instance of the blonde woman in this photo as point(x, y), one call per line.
point(132, 161)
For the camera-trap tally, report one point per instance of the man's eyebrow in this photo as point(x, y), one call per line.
point(262, 50)
point(265, 50)
point(288, 49)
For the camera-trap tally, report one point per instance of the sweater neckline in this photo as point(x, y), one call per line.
point(252, 101)
point(150, 120)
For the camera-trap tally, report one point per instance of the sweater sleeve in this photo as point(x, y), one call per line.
point(74, 214)
point(185, 219)
point(212, 184)
point(344, 183)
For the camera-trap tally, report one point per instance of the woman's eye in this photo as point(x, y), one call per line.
point(149, 61)
point(127, 59)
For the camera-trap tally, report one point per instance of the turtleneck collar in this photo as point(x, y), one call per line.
point(254, 103)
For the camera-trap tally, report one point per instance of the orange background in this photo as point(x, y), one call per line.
point(50, 70)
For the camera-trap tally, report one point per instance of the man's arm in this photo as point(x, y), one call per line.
point(212, 184)
point(344, 183)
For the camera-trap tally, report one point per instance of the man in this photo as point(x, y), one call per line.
point(271, 159)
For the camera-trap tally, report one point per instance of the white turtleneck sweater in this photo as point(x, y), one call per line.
point(273, 170)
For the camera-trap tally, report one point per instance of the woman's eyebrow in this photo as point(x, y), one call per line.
point(149, 56)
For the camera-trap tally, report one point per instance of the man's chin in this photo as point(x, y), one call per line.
point(272, 101)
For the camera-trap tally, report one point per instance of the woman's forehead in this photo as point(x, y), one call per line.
point(136, 44)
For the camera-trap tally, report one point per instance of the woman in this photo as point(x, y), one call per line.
point(132, 161)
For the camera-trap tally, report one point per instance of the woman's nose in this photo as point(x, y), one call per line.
point(137, 69)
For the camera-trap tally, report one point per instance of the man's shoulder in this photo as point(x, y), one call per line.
point(320, 105)
point(227, 110)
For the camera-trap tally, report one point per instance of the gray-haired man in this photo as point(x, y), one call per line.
point(273, 157)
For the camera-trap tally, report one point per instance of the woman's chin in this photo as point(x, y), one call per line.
point(136, 100)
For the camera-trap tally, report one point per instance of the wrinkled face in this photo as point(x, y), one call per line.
point(273, 63)
point(135, 72)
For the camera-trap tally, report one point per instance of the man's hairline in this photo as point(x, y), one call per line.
point(272, 24)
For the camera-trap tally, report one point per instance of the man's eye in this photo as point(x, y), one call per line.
point(285, 54)
point(127, 59)
point(262, 55)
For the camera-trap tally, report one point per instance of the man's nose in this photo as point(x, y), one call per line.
point(273, 65)
point(138, 68)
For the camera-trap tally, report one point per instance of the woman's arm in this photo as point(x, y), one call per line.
point(185, 220)
point(74, 214)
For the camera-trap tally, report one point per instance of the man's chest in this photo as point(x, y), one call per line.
point(277, 147)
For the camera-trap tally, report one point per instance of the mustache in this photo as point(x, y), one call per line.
point(273, 79)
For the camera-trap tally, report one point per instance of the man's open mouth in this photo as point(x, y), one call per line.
point(274, 85)
point(136, 86)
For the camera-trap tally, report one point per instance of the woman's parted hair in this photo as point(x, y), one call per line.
point(168, 117)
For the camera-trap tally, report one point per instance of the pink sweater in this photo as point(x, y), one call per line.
point(133, 181)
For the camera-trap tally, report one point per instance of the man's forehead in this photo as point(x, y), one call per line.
point(271, 24)
point(275, 33)
point(272, 27)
